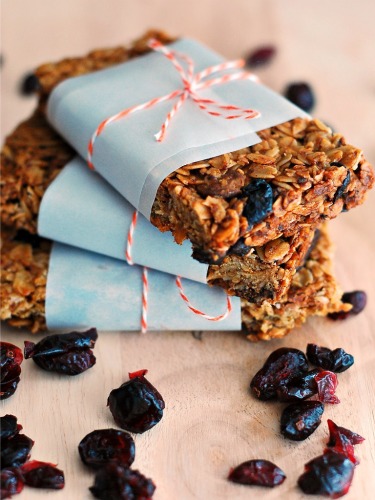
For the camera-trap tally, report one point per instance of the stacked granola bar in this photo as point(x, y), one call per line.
point(250, 214)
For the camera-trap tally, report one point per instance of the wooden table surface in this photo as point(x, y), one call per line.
point(211, 422)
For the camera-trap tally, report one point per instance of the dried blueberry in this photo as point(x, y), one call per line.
point(68, 353)
point(330, 474)
point(282, 366)
point(299, 388)
point(299, 420)
point(358, 299)
point(136, 405)
point(301, 95)
point(29, 84)
point(260, 56)
point(9, 427)
point(259, 201)
point(11, 482)
point(43, 475)
point(114, 482)
point(257, 472)
point(335, 361)
point(107, 445)
point(239, 248)
point(341, 190)
point(15, 451)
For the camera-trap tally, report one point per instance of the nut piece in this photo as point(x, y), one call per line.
point(276, 250)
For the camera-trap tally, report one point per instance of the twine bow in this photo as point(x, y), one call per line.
point(192, 85)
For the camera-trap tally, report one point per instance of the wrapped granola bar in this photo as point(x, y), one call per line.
point(97, 218)
point(304, 171)
point(25, 275)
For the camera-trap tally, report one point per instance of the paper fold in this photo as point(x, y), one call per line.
point(80, 209)
point(85, 289)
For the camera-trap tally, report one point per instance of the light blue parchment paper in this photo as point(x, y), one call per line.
point(85, 289)
point(126, 153)
point(81, 209)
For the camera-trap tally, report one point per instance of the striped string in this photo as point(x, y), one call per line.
point(145, 284)
point(197, 311)
point(192, 84)
point(129, 260)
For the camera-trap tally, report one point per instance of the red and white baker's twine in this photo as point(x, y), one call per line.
point(129, 260)
point(192, 84)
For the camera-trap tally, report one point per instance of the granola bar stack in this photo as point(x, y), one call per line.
point(254, 215)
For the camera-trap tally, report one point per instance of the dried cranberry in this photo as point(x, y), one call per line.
point(9, 384)
point(29, 84)
point(11, 357)
point(136, 405)
point(107, 445)
point(299, 388)
point(15, 451)
point(114, 482)
point(68, 353)
point(43, 475)
point(330, 474)
point(335, 431)
point(9, 426)
point(327, 383)
point(257, 472)
point(260, 56)
point(301, 95)
point(11, 482)
point(335, 361)
point(343, 446)
point(300, 420)
point(358, 299)
point(282, 366)
point(259, 201)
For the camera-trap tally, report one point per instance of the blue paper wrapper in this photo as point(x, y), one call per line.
point(85, 289)
point(80, 209)
point(127, 153)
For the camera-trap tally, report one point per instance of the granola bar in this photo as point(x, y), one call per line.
point(24, 272)
point(313, 292)
point(34, 154)
point(313, 174)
